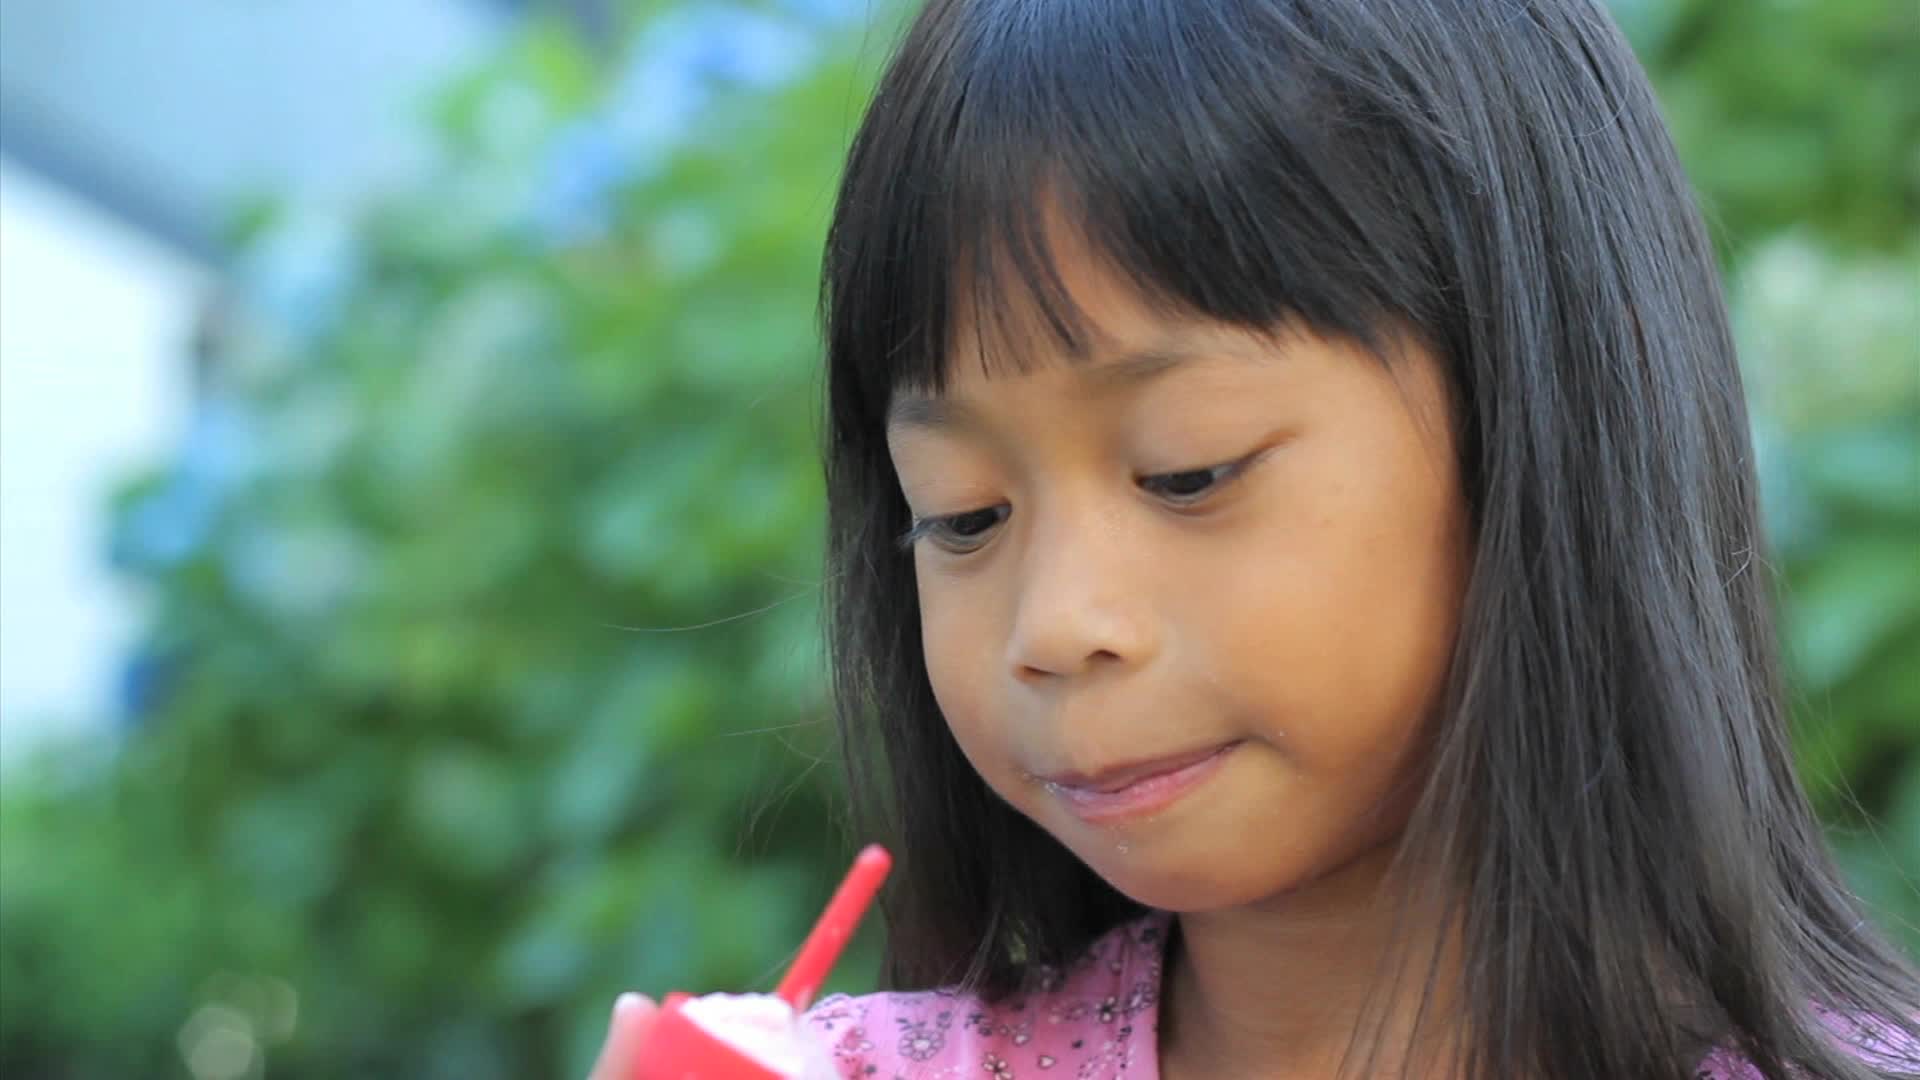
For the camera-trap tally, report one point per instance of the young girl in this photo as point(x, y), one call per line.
point(1295, 554)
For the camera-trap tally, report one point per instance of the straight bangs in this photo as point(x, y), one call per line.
point(1231, 190)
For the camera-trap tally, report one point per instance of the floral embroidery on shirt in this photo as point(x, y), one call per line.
point(1080, 1019)
point(921, 1039)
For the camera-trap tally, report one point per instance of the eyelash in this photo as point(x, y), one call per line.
point(930, 528)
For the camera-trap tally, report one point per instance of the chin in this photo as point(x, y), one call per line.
point(1189, 880)
point(1175, 874)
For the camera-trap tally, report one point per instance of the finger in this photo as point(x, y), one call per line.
point(626, 1030)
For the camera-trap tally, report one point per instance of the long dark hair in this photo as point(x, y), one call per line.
point(1611, 800)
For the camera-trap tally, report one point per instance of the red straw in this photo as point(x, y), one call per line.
point(830, 934)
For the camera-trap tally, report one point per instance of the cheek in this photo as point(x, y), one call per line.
point(1342, 637)
point(962, 652)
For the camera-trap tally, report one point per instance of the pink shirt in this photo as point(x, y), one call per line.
point(1095, 1020)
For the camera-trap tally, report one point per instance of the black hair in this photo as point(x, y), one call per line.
point(1610, 798)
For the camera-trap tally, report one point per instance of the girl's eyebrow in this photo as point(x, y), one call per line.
point(929, 412)
point(936, 412)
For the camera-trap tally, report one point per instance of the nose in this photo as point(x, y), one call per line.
point(1084, 601)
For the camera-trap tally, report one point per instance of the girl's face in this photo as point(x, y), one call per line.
point(1187, 603)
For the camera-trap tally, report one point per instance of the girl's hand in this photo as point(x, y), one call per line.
point(620, 1055)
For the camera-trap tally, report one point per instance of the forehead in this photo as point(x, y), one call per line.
point(1105, 371)
point(1059, 305)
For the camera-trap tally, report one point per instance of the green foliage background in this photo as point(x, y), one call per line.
point(493, 681)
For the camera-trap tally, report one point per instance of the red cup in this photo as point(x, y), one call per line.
point(677, 1048)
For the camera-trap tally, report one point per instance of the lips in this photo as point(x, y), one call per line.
point(1120, 776)
point(1139, 787)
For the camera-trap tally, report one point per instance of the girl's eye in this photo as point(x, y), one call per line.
point(1190, 485)
point(958, 533)
point(965, 532)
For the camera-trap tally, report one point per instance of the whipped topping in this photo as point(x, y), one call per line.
point(763, 1028)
